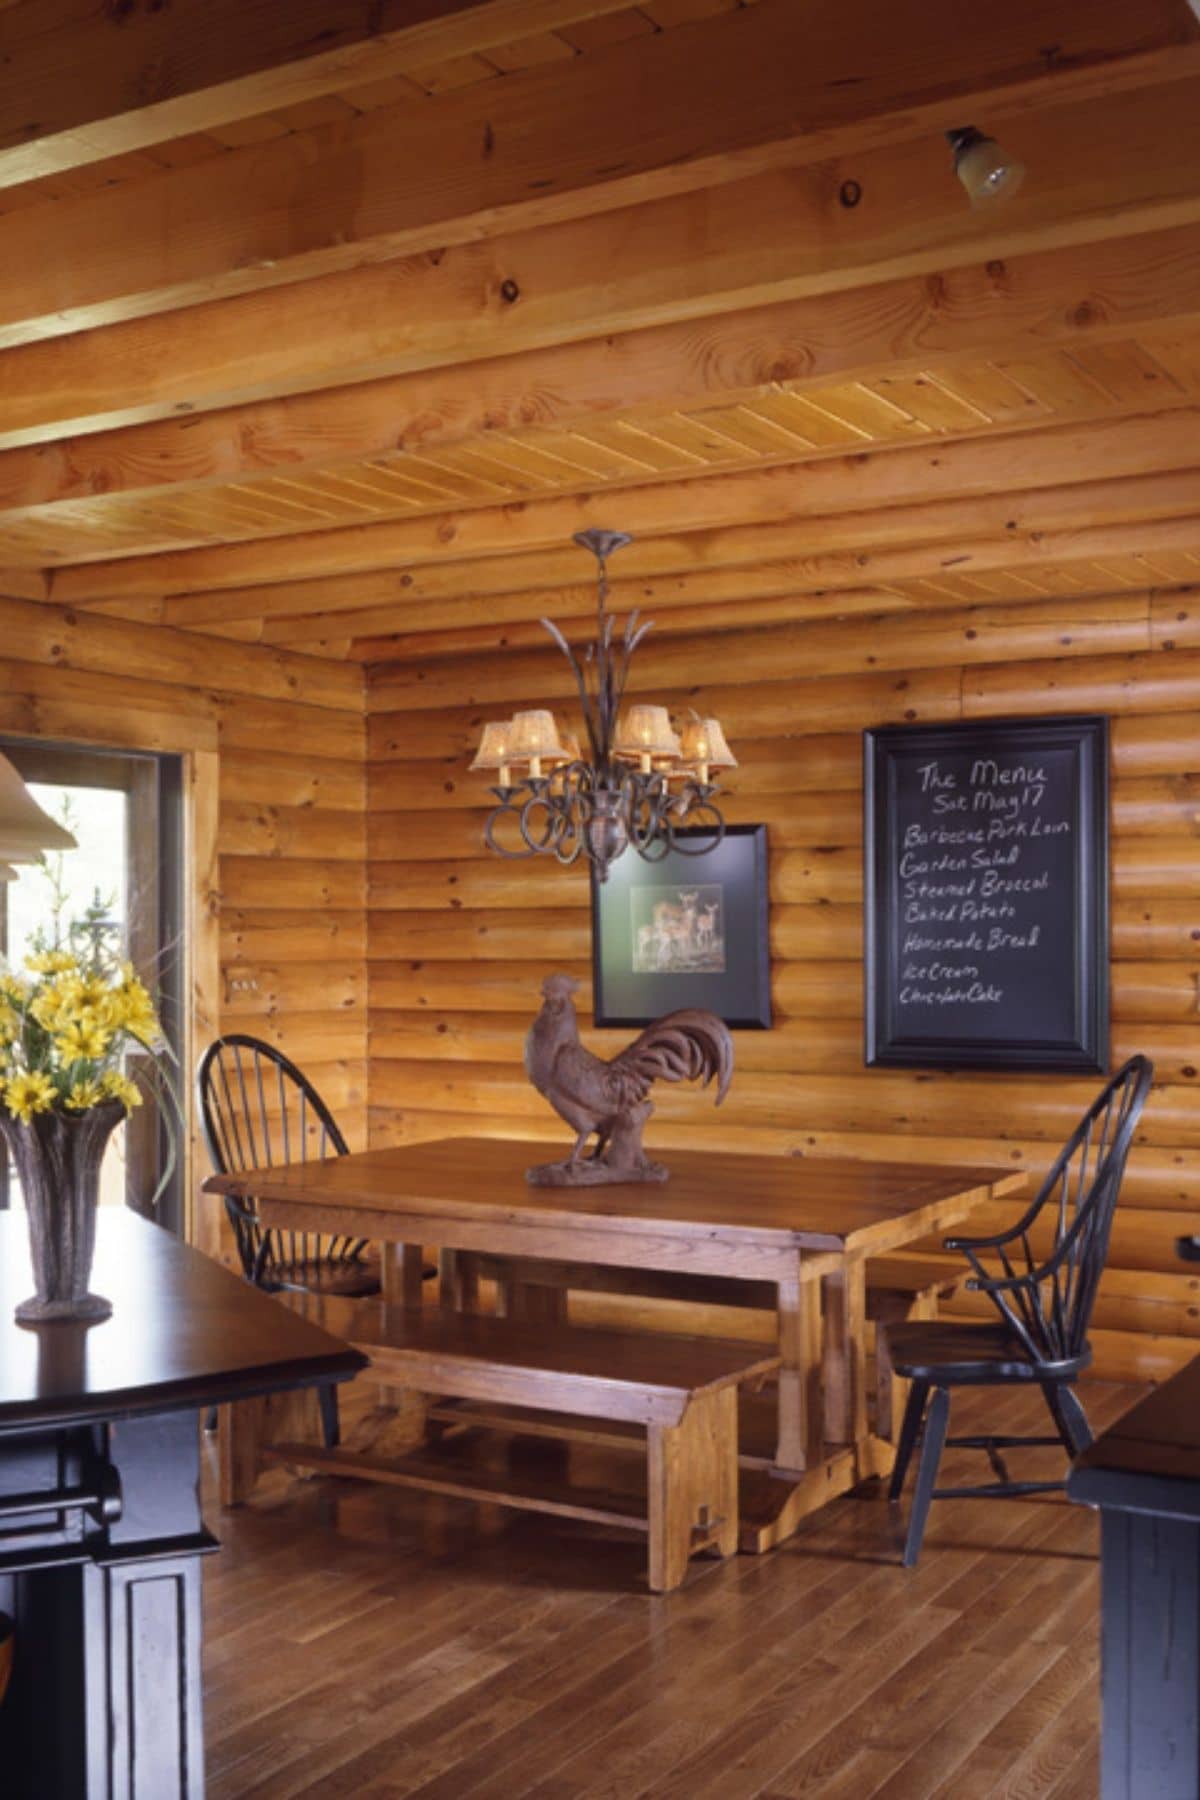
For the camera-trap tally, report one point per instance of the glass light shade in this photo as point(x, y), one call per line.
point(495, 748)
point(986, 171)
point(534, 734)
point(704, 743)
point(646, 731)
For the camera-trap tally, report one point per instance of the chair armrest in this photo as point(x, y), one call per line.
point(241, 1209)
point(1015, 1230)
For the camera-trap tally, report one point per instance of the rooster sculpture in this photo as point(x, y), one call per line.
point(610, 1099)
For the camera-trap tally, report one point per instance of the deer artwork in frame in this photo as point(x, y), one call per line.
point(688, 931)
point(609, 1099)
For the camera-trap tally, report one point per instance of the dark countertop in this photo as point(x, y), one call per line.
point(184, 1332)
point(1149, 1461)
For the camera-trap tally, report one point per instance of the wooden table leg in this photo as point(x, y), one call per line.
point(845, 1308)
point(801, 1429)
point(458, 1280)
point(401, 1271)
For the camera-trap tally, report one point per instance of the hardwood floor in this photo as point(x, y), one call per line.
point(373, 1643)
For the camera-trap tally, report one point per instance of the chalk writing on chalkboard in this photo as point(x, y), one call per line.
point(986, 902)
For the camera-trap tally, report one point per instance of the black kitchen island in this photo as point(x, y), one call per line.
point(101, 1532)
point(1144, 1475)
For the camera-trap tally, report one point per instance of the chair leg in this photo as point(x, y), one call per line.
point(331, 1429)
point(913, 1414)
point(1066, 1409)
point(936, 1421)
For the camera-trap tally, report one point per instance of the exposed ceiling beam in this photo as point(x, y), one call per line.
point(1100, 170)
point(80, 84)
point(742, 561)
point(1070, 593)
point(747, 91)
point(1103, 451)
point(216, 356)
point(930, 468)
point(990, 632)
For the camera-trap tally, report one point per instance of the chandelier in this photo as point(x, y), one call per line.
point(638, 783)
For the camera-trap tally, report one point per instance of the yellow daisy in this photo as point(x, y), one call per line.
point(83, 1040)
point(84, 1095)
point(25, 1095)
point(116, 1086)
point(51, 962)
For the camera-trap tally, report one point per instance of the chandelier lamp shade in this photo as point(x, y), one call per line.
point(633, 780)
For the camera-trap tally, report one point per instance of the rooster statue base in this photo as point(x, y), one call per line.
point(610, 1099)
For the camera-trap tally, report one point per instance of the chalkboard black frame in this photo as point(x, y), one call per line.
point(1087, 970)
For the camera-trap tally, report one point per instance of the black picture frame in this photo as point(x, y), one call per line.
point(640, 974)
point(992, 953)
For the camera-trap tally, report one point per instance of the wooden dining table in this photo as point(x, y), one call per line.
point(804, 1225)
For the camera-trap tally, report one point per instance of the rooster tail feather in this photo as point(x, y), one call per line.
point(690, 1045)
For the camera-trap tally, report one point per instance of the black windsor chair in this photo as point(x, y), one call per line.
point(258, 1110)
point(1045, 1306)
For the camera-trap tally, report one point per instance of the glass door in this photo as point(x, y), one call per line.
point(124, 879)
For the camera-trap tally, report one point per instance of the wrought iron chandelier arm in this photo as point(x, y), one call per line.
point(597, 806)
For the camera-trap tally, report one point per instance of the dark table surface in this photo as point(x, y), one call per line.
point(1150, 1459)
point(183, 1332)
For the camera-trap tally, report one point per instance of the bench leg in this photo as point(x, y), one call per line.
point(891, 1393)
point(692, 1487)
point(246, 1427)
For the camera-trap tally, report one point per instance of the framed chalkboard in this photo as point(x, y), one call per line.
point(986, 848)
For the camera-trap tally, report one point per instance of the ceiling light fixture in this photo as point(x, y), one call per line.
point(638, 782)
point(986, 171)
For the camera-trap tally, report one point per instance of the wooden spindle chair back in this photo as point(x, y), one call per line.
point(1047, 1298)
point(257, 1111)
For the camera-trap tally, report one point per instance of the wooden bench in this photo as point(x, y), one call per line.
point(898, 1288)
point(681, 1391)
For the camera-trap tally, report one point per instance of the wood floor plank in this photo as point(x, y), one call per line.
point(374, 1644)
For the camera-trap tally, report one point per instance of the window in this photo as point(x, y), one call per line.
point(125, 811)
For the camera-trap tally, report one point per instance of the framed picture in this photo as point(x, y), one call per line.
point(986, 850)
point(690, 930)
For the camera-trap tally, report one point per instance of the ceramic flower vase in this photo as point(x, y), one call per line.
point(58, 1157)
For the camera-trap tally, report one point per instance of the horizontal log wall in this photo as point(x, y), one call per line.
point(289, 735)
point(459, 940)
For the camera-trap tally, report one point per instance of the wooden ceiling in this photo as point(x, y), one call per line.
point(326, 325)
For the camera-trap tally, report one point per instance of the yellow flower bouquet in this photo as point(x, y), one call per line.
point(65, 1027)
point(66, 1024)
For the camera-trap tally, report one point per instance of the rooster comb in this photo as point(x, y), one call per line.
point(559, 987)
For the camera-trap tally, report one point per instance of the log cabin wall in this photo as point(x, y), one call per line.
point(288, 734)
point(459, 940)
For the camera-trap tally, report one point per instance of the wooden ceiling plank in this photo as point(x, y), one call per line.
point(935, 407)
point(103, 81)
point(990, 391)
point(1108, 450)
point(1125, 371)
